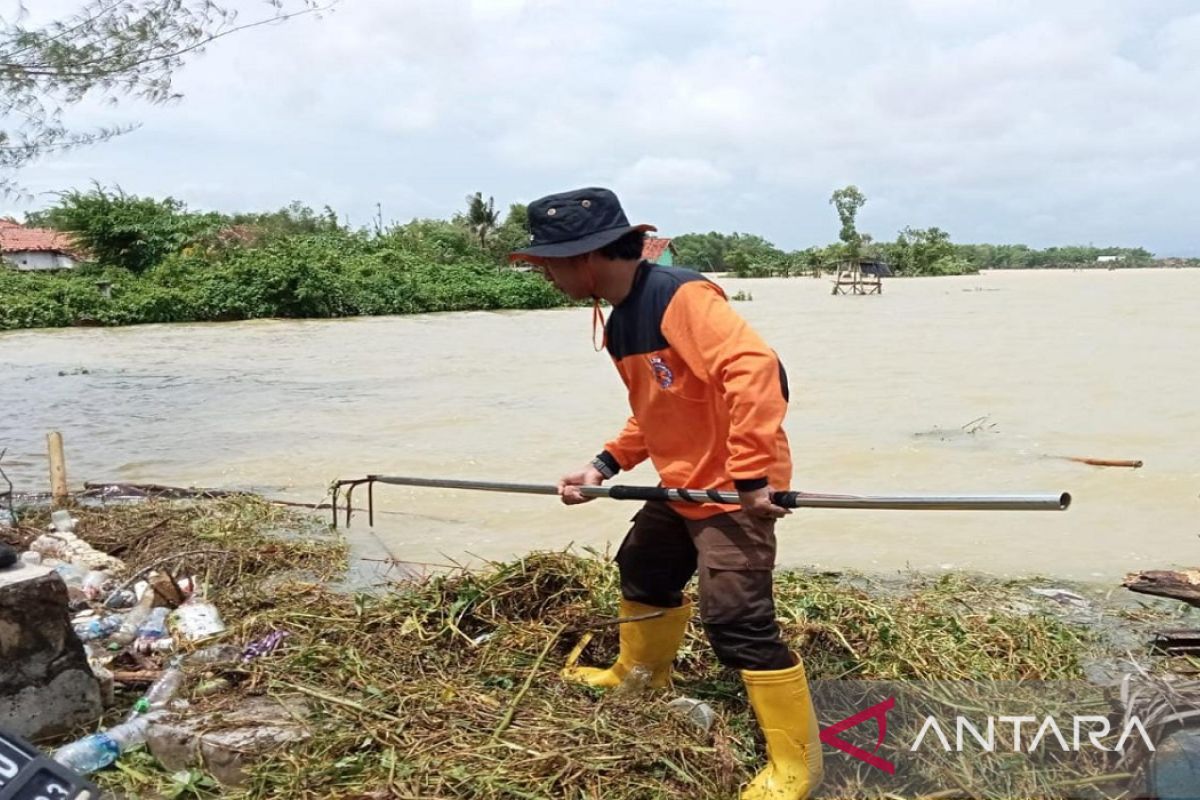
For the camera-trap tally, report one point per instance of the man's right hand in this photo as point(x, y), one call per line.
point(567, 484)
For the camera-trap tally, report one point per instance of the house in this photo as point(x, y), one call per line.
point(658, 250)
point(1103, 259)
point(30, 249)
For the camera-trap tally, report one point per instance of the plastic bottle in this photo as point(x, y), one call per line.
point(214, 655)
point(98, 750)
point(155, 624)
point(63, 521)
point(89, 753)
point(160, 692)
point(133, 620)
point(99, 627)
point(71, 574)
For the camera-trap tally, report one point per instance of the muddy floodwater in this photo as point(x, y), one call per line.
point(976, 384)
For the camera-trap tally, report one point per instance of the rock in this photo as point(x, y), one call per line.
point(1176, 769)
point(46, 685)
point(8, 556)
point(226, 744)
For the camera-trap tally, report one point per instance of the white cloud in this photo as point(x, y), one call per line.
point(672, 175)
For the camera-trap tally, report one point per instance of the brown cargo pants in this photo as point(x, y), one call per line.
point(734, 554)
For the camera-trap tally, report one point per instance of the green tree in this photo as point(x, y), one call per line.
point(121, 230)
point(108, 49)
point(926, 251)
point(513, 234)
point(481, 217)
point(848, 200)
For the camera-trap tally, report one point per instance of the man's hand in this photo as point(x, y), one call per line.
point(758, 504)
point(588, 476)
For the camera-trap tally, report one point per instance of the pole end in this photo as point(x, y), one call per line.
point(1064, 501)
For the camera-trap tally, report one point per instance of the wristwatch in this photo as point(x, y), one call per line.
point(603, 467)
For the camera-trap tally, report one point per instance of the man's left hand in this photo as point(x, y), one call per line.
point(758, 504)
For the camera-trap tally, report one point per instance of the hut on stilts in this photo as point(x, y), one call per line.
point(861, 276)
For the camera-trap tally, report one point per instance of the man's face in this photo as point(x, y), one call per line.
point(571, 276)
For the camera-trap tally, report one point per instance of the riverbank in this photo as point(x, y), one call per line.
point(307, 287)
point(447, 685)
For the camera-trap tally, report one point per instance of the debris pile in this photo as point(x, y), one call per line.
point(448, 685)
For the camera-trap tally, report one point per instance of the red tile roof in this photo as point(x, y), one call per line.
point(654, 247)
point(16, 238)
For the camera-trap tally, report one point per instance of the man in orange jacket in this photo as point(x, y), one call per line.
point(708, 399)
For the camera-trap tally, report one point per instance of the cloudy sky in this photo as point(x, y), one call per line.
point(1060, 122)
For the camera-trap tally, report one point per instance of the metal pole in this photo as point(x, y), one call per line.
point(1000, 502)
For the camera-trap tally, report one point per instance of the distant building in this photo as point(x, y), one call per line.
point(659, 251)
point(1103, 259)
point(36, 249)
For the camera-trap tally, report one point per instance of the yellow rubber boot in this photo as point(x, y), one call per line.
point(648, 642)
point(784, 709)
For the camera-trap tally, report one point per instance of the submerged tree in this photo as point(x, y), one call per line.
point(848, 201)
point(107, 49)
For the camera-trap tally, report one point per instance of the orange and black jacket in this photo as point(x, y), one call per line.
point(708, 395)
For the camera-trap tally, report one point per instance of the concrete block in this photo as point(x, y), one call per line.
point(46, 685)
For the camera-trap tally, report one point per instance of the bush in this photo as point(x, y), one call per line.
point(424, 266)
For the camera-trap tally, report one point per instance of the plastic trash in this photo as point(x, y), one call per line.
point(215, 655)
point(63, 521)
point(89, 753)
point(71, 574)
point(48, 546)
point(636, 680)
point(197, 620)
point(126, 598)
point(133, 621)
point(98, 750)
point(155, 646)
point(697, 712)
point(96, 583)
point(99, 627)
point(31, 557)
point(264, 646)
point(161, 692)
point(155, 624)
point(212, 686)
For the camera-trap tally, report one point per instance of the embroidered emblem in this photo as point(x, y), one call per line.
point(662, 373)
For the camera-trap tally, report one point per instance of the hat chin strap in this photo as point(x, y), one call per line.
point(597, 314)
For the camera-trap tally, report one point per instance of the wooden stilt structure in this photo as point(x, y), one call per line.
point(860, 276)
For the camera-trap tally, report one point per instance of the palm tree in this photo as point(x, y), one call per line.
point(482, 218)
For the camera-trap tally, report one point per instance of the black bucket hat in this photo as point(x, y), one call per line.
point(573, 223)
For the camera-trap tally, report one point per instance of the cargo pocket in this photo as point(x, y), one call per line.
point(750, 556)
point(736, 561)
